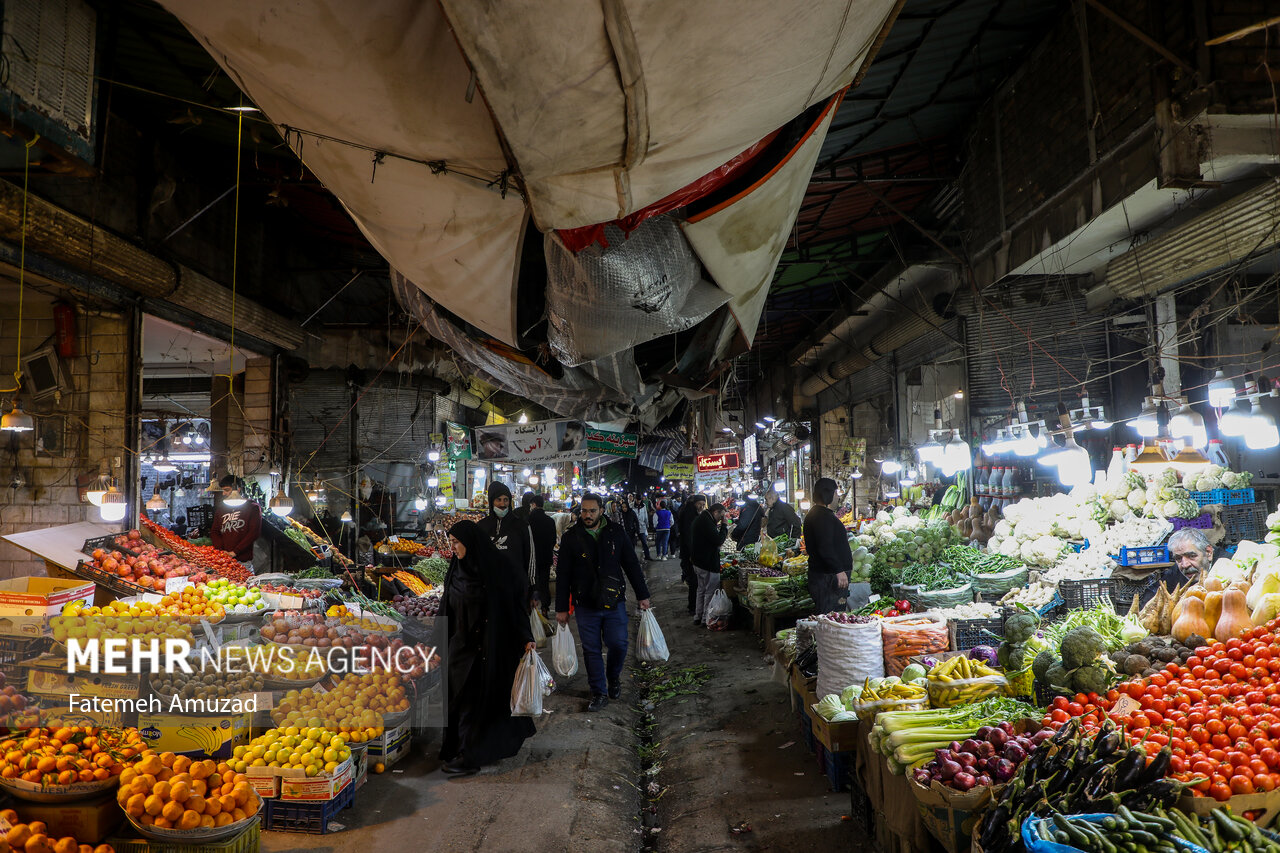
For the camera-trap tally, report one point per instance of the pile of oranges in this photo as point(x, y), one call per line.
point(117, 620)
point(191, 605)
point(353, 707)
point(69, 755)
point(175, 792)
point(34, 838)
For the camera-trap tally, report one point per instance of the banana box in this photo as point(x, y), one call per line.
point(205, 736)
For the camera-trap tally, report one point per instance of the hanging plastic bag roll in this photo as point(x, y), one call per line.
point(533, 681)
point(564, 656)
point(651, 645)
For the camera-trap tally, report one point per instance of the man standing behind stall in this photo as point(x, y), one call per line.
point(237, 522)
point(827, 544)
point(781, 518)
point(511, 536)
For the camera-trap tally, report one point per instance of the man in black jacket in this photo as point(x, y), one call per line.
point(597, 560)
point(631, 526)
point(707, 535)
point(543, 529)
point(746, 531)
point(510, 533)
point(781, 517)
point(684, 523)
point(827, 544)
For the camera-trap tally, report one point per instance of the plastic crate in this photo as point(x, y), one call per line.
point(1123, 590)
point(1245, 522)
point(1148, 555)
point(838, 767)
point(17, 649)
point(806, 730)
point(246, 842)
point(860, 810)
point(1083, 594)
point(1204, 521)
point(1046, 694)
point(300, 816)
point(1079, 546)
point(1225, 497)
point(967, 633)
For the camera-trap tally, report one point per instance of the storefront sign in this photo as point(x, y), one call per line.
point(625, 444)
point(749, 450)
point(458, 444)
point(679, 470)
point(540, 441)
point(725, 460)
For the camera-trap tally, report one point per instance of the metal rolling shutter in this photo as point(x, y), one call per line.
point(396, 422)
point(316, 404)
point(1052, 312)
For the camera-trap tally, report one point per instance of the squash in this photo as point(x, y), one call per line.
point(1212, 610)
point(1235, 618)
point(1212, 584)
point(1197, 591)
point(1190, 620)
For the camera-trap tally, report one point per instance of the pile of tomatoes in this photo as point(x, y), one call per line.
point(221, 563)
point(1219, 714)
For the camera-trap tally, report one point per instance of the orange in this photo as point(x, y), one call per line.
point(179, 792)
point(127, 776)
point(10, 816)
point(241, 793)
point(238, 815)
point(153, 805)
point(172, 811)
point(206, 821)
point(166, 758)
point(161, 790)
point(17, 836)
point(181, 763)
point(104, 848)
point(136, 805)
point(38, 843)
point(146, 820)
point(163, 823)
point(151, 764)
point(66, 844)
point(85, 848)
point(189, 820)
point(228, 803)
point(222, 819)
point(198, 786)
point(165, 774)
point(38, 827)
point(146, 780)
point(212, 806)
point(199, 770)
point(251, 807)
point(195, 802)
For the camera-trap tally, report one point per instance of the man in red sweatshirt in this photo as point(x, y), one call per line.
point(237, 522)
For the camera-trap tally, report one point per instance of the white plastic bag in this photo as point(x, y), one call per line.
point(564, 657)
point(848, 654)
point(652, 645)
point(533, 681)
point(535, 625)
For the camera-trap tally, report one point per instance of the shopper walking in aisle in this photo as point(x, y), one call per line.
point(781, 517)
point(597, 561)
point(543, 530)
point(662, 520)
point(746, 531)
point(631, 526)
point(707, 534)
point(485, 633)
point(827, 543)
point(646, 522)
point(511, 536)
point(684, 522)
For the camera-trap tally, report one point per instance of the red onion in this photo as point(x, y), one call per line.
point(963, 781)
point(997, 738)
point(1014, 752)
point(1004, 769)
point(948, 769)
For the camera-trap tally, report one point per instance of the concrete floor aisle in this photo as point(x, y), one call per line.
point(733, 758)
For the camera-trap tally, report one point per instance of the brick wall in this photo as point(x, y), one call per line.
point(94, 414)
point(256, 423)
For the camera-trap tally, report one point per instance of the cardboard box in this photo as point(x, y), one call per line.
point(47, 675)
point(267, 785)
point(296, 785)
point(389, 753)
point(26, 604)
point(55, 712)
point(88, 821)
point(361, 758)
point(836, 737)
point(205, 736)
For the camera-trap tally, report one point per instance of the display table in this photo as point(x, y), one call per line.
point(61, 549)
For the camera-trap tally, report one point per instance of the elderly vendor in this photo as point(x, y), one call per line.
point(1192, 556)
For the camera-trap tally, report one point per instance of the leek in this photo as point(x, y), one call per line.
point(933, 735)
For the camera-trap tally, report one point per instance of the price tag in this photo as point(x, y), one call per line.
point(266, 700)
point(391, 540)
point(1125, 706)
point(176, 584)
point(151, 597)
point(208, 634)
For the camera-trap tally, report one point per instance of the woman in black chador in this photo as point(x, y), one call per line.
point(484, 618)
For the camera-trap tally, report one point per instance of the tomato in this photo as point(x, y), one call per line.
point(1266, 782)
point(1220, 792)
point(1235, 654)
point(1217, 754)
point(1158, 679)
point(1259, 767)
point(1271, 756)
point(1215, 727)
point(1074, 709)
point(1059, 702)
point(1236, 731)
point(1233, 643)
point(1241, 785)
point(1221, 665)
point(1263, 653)
point(1220, 741)
point(1059, 716)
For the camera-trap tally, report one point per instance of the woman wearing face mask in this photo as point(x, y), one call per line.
point(482, 615)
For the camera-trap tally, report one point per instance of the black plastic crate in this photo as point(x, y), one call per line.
point(299, 816)
point(1123, 590)
point(1046, 694)
point(838, 767)
point(17, 649)
point(860, 810)
point(1083, 594)
point(1248, 521)
point(967, 633)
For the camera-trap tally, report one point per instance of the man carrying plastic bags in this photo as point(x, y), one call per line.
point(653, 646)
point(597, 561)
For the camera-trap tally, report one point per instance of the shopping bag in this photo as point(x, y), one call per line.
point(720, 607)
point(652, 646)
point(564, 657)
point(533, 681)
point(535, 625)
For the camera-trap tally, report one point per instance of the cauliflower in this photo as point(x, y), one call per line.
point(1091, 529)
point(1136, 499)
point(1045, 551)
point(1167, 478)
point(1011, 548)
point(1004, 528)
point(1135, 480)
point(901, 512)
point(1236, 480)
point(1273, 521)
point(1121, 509)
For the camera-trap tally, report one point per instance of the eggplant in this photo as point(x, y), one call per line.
point(1130, 768)
point(1157, 769)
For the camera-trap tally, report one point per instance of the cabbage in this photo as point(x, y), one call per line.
point(913, 672)
point(850, 695)
point(829, 706)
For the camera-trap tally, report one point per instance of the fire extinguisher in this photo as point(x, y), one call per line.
point(64, 329)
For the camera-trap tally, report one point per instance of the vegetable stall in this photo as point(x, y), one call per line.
point(1050, 688)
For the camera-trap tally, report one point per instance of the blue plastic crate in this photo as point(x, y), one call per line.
point(1148, 555)
point(1226, 497)
point(1204, 521)
point(300, 816)
point(806, 730)
point(837, 766)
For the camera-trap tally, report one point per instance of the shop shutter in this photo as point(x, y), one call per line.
point(1067, 342)
point(395, 425)
point(316, 404)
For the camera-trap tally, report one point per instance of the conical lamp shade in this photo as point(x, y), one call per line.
point(17, 421)
point(1150, 461)
point(1189, 460)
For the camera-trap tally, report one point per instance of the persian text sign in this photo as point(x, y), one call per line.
point(624, 444)
point(726, 460)
point(679, 471)
point(539, 441)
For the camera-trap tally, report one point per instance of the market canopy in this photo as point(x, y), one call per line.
point(449, 131)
